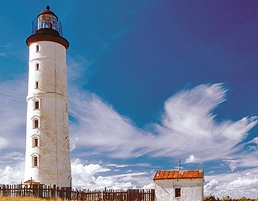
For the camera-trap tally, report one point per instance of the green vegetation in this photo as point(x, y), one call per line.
point(227, 198)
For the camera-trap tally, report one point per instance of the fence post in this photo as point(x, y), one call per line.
point(49, 191)
point(58, 192)
point(68, 193)
point(61, 193)
point(53, 191)
point(78, 195)
point(23, 193)
point(152, 194)
point(104, 194)
point(40, 190)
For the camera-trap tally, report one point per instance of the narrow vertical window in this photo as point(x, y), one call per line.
point(36, 123)
point(35, 161)
point(36, 85)
point(36, 142)
point(36, 105)
point(177, 192)
point(37, 48)
point(37, 66)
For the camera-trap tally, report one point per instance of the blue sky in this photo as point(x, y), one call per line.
point(150, 83)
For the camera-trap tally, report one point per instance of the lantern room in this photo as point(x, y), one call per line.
point(47, 20)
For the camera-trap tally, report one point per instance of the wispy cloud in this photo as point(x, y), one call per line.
point(78, 65)
point(13, 114)
point(106, 129)
point(6, 50)
point(3, 143)
point(188, 127)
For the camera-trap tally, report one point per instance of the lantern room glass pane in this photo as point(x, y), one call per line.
point(47, 21)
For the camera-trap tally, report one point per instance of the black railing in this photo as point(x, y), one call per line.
point(37, 25)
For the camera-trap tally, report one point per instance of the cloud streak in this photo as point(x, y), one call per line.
point(188, 127)
point(99, 126)
point(12, 114)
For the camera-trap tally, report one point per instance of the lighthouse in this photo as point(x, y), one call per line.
point(47, 157)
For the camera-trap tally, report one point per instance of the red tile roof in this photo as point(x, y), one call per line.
point(178, 174)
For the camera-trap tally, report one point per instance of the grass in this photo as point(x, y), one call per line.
point(24, 198)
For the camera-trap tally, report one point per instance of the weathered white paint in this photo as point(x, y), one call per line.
point(191, 189)
point(53, 149)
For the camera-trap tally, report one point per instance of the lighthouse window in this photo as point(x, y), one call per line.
point(35, 161)
point(37, 66)
point(36, 123)
point(36, 105)
point(37, 48)
point(36, 85)
point(35, 142)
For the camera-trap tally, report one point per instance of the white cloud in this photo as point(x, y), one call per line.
point(117, 165)
point(13, 114)
point(188, 127)
point(149, 186)
point(248, 159)
point(235, 185)
point(192, 159)
point(7, 50)
point(255, 140)
point(3, 143)
point(232, 164)
point(99, 126)
point(12, 174)
point(83, 175)
point(95, 176)
point(243, 159)
point(78, 65)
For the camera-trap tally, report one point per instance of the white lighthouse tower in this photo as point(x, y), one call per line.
point(47, 158)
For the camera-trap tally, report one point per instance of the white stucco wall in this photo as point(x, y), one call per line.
point(191, 190)
point(53, 132)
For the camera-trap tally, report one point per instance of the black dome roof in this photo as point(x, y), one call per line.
point(47, 11)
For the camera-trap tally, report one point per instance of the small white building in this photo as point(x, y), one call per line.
point(179, 185)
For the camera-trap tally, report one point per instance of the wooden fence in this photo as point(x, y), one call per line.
point(40, 190)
